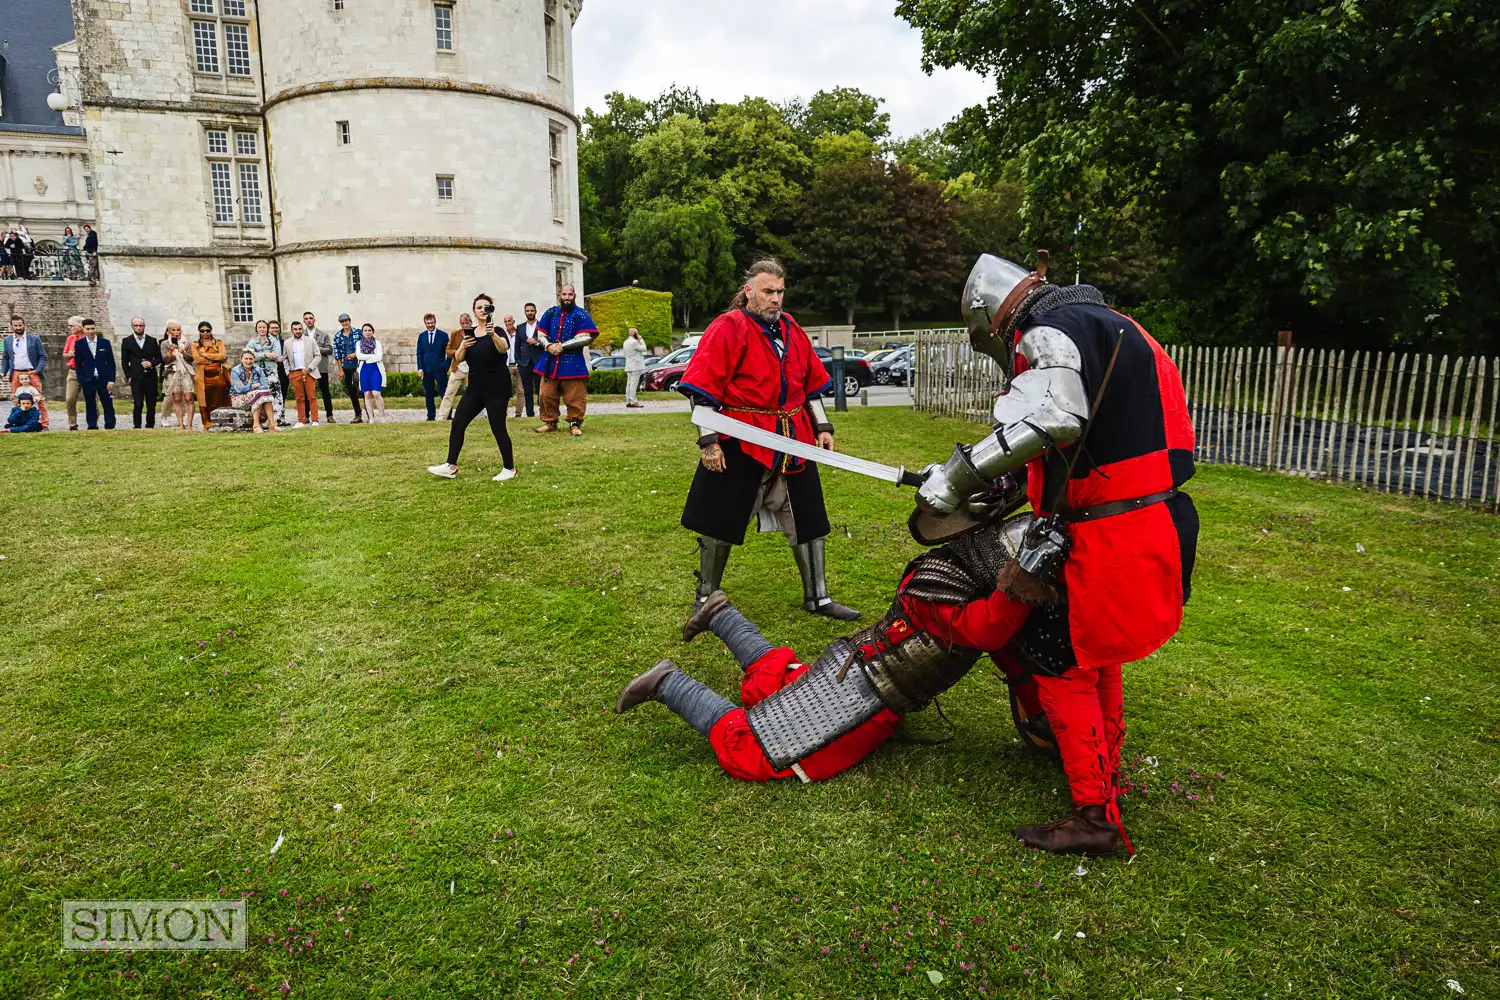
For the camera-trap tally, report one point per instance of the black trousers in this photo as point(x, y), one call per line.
point(351, 386)
point(143, 394)
point(495, 402)
point(531, 386)
point(719, 504)
point(433, 387)
point(96, 397)
point(327, 398)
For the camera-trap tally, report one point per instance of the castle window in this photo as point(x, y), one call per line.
point(555, 153)
point(206, 46)
point(241, 302)
point(343, 133)
point(351, 279)
point(226, 23)
point(445, 187)
point(234, 178)
point(563, 273)
point(442, 14)
point(554, 41)
point(338, 4)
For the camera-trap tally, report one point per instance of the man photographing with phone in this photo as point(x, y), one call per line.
point(485, 350)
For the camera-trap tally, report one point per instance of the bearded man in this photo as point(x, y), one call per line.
point(1095, 414)
point(757, 365)
point(567, 330)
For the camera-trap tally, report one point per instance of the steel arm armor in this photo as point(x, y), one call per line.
point(1045, 407)
point(819, 414)
point(579, 342)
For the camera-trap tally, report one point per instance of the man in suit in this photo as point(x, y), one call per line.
point(25, 363)
point(324, 341)
point(528, 350)
point(432, 363)
point(94, 359)
point(140, 354)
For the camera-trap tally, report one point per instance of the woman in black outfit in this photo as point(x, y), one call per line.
point(489, 389)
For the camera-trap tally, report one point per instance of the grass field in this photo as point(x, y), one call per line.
point(214, 641)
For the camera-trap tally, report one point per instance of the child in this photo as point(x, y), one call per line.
point(24, 416)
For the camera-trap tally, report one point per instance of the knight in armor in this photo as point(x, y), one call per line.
point(1094, 417)
point(815, 721)
point(757, 365)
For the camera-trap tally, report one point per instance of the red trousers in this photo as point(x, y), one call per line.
point(1086, 708)
point(740, 754)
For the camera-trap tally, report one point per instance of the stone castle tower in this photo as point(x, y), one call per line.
point(385, 158)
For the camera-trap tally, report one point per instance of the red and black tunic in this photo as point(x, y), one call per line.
point(764, 376)
point(1129, 575)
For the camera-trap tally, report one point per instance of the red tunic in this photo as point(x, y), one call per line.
point(1125, 576)
point(737, 368)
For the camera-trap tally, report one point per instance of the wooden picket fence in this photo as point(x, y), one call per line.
point(1408, 423)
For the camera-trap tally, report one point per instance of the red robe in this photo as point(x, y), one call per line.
point(736, 367)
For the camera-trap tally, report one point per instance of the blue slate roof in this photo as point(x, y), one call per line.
point(28, 31)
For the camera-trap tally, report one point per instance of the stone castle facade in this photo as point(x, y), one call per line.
point(385, 158)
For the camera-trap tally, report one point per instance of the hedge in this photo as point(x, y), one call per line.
point(612, 381)
point(408, 384)
point(616, 312)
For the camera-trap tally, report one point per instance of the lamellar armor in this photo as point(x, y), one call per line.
point(892, 664)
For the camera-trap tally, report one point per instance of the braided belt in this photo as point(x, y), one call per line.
point(783, 427)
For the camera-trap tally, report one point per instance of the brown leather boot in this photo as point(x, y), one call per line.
point(1083, 831)
point(703, 615)
point(643, 687)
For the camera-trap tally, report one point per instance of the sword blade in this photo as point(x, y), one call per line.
point(712, 420)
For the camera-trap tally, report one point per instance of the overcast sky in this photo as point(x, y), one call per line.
point(768, 48)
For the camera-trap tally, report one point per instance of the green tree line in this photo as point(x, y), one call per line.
point(680, 194)
point(1330, 166)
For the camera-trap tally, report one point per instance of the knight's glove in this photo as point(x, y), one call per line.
point(946, 487)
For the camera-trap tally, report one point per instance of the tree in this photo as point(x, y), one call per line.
point(671, 161)
point(929, 153)
point(1325, 165)
point(988, 218)
point(842, 111)
point(684, 249)
point(605, 170)
point(828, 150)
point(847, 230)
point(926, 268)
point(758, 172)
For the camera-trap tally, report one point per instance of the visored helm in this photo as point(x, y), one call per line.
point(995, 296)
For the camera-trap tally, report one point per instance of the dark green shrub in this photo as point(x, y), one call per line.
point(403, 384)
point(616, 312)
point(611, 382)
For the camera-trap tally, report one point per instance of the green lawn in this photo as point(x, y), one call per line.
point(210, 641)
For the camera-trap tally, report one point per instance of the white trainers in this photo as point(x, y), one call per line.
point(443, 470)
point(504, 475)
point(315, 424)
point(297, 426)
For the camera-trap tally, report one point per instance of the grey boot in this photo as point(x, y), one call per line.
point(713, 556)
point(810, 564)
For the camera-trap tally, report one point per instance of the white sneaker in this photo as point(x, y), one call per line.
point(504, 475)
point(315, 424)
point(297, 426)
point(444, 470)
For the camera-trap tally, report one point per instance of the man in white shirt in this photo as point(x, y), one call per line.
point(325, 351)
point(510, 359)
point(303, 357)
point(25, 361)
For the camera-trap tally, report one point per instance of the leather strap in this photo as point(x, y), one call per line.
point(1102, 510)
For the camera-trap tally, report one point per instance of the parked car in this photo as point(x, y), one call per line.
point(609, 364)
point(664, 376)
point(893, 368)
point(652, 360)
point(857, 373)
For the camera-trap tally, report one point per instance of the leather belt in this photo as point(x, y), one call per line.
point(1102, 510)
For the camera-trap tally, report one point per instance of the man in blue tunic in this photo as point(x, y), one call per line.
point(567, 330)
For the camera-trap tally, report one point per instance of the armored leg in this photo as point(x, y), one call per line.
point(810, 564)
point(713, 556)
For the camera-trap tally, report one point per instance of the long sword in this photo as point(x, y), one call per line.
point(712, 420)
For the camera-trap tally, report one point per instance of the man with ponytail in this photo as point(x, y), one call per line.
point(757, 365)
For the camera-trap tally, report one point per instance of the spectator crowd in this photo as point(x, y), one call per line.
point(77, 255)
point(279, 378)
